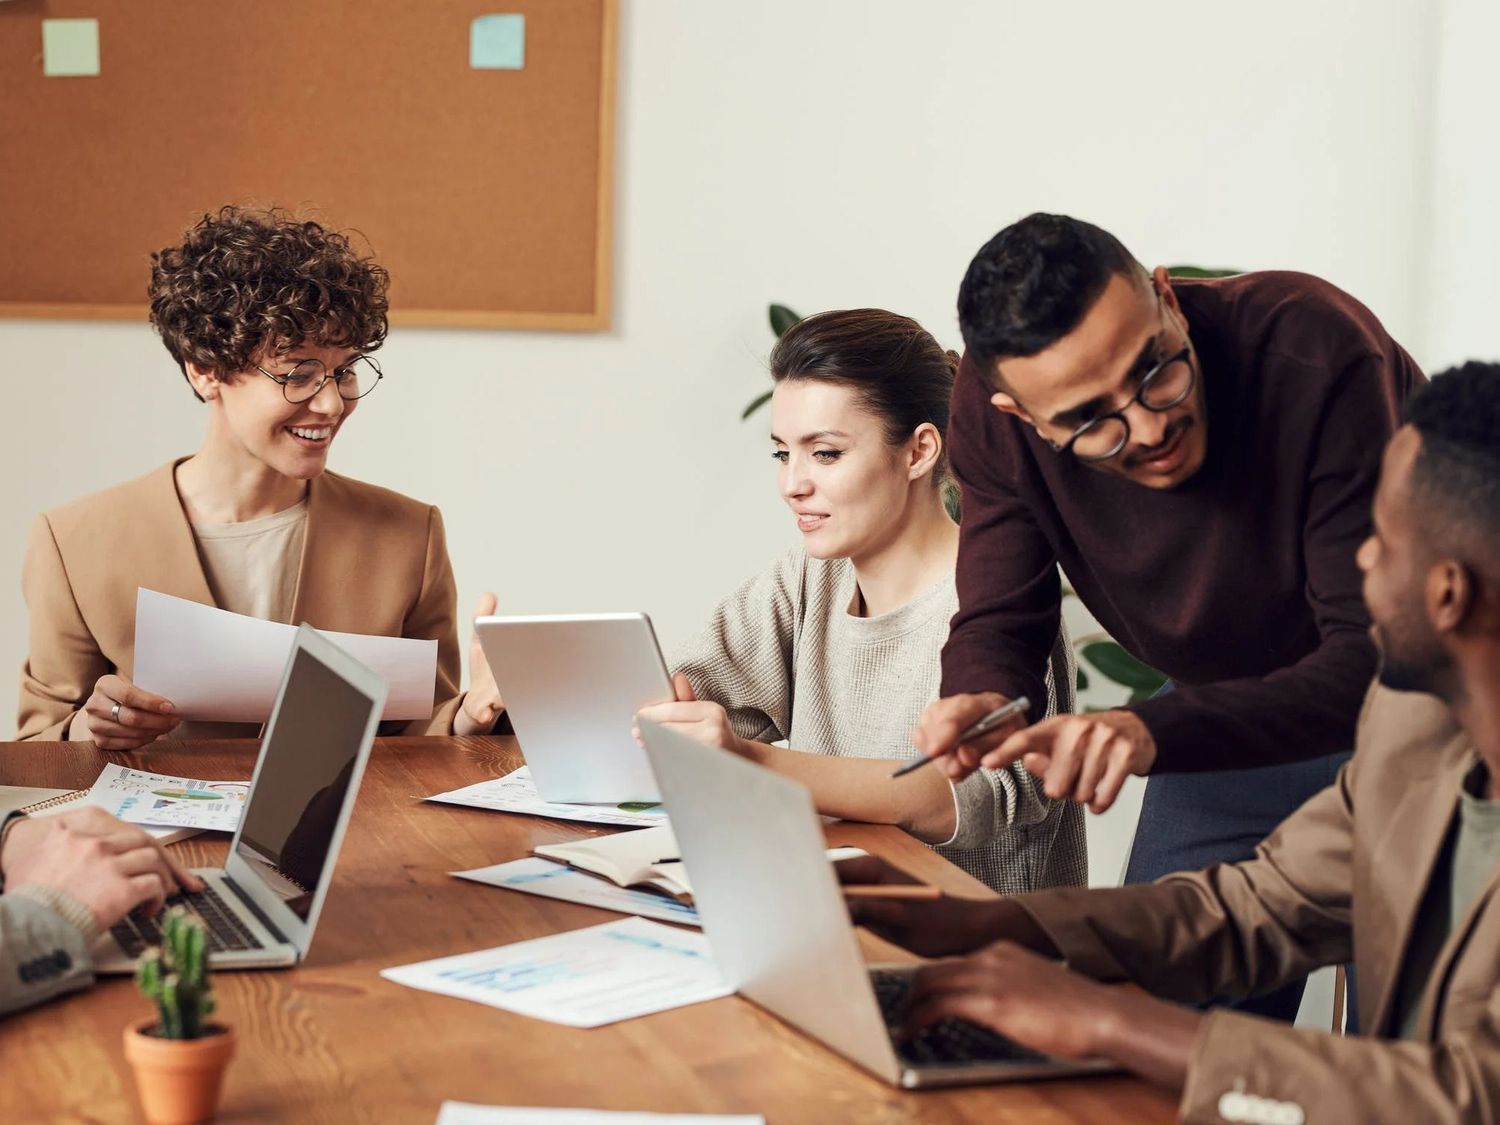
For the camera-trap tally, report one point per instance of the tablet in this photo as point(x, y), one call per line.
point(572, 684)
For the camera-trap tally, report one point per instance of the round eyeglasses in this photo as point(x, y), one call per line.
point(1166, 385)
point(355, 379)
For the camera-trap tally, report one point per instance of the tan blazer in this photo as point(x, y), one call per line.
point(1343, 876)
point(373, 561)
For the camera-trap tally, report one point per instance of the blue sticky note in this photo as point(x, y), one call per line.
point(498, 42)
point(70, 48)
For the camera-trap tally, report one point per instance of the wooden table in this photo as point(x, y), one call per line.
point(332, 1041)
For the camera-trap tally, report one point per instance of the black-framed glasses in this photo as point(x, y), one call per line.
point(1166, 385)
point(353, 380)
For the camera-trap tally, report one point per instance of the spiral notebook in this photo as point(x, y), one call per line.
point(37, 801)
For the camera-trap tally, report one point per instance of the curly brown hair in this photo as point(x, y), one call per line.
point(246, 283)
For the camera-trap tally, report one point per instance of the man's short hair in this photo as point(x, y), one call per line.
point(1456, 478)
point(245, 282)
point(1032, 283)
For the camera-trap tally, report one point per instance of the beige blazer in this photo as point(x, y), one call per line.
point(373, 561)
point(1343, 877)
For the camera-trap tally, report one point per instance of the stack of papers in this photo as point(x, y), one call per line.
point(516, 792)
point(583, 978)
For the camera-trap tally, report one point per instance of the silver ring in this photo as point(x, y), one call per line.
point(114, 712)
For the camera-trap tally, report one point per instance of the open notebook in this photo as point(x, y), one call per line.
point(647, 857)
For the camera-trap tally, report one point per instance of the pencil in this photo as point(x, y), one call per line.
point(1017, 706)
point(915, 891)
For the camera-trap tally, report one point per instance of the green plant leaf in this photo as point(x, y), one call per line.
point(1114, 663)
point(755, 404)
point(782, 318)
point(1082, 679)
point(1201, 271)
point(951, 500)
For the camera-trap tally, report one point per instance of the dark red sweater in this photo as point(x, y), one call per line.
point(1240, 584)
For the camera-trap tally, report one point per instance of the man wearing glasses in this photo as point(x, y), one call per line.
point(271, 322)
point(1200, 457)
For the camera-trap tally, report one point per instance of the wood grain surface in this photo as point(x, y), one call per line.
point(332, 1041)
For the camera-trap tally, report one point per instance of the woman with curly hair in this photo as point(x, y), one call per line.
point(272, 322)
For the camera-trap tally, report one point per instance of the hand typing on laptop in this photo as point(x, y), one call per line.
point(108, 866)
point(1011, 981)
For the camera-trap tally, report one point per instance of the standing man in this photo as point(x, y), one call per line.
point(1200, 457)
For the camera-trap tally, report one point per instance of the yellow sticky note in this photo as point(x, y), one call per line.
point(70, 48)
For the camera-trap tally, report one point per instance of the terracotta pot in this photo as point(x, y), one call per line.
point(178, 1079)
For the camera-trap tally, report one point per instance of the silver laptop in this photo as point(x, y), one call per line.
point(776, 920)
point(260, 909)
point(572, 684)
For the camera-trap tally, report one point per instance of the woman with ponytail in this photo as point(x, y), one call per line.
point(834, 648)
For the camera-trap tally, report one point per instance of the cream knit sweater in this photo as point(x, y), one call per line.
point(787, 660)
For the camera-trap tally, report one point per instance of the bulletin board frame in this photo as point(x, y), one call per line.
point(591, 311)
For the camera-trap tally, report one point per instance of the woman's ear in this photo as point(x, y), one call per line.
point(925, 450)
point(205, 385)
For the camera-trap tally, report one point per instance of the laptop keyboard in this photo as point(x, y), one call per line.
point(948, 1041)
point(222, 928)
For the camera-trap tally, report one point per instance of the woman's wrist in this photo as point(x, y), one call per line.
point(762, 754)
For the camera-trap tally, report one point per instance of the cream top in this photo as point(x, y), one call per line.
point(252, 567)
point(787, 660)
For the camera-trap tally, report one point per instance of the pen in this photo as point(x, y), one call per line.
point(1018, 706)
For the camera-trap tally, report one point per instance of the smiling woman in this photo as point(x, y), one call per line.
point(835, 647)
point(271, 321)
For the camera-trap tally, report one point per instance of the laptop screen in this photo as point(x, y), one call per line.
point(308, 760)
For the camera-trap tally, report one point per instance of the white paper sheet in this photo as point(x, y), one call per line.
point(166, 806)
point(217, 666)
point(516, 792)
point(583, 978)
point(167, 801)
point(466, 1113)
point(537, 876)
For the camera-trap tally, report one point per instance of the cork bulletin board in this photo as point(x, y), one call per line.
point(469, 142)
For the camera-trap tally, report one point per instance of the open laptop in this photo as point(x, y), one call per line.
point(771, 907)
point(572, 684)
point(260, 910)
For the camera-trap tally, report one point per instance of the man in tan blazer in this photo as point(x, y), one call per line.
point(1396, 865)
point(271, 321)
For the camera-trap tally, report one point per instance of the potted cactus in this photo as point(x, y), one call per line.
point(178, 1058)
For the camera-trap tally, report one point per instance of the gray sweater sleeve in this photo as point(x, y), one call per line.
point(44, 946)
point(988, 802)
point(743, 659)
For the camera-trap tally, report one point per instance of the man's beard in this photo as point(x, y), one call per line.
point(1402, 672)
point(1398, 675)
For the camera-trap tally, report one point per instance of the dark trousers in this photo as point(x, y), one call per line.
point(1194, 820)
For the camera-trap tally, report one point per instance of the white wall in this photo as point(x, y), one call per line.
point(824, 155)
point(1464, 291)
